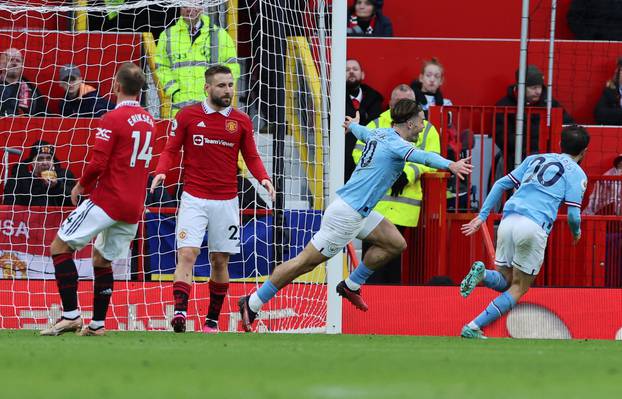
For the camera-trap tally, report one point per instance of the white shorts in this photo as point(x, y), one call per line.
point(521, 243)
point(340, 225)
point(89, 220)
point(220, 218)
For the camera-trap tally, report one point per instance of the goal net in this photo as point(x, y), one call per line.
point(57, 63)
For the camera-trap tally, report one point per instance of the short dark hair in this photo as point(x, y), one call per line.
point(131, 78)
point(574, 139)
point(214, 70)
point(404, 110)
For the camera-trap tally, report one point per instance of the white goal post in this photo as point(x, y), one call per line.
point(291, 61)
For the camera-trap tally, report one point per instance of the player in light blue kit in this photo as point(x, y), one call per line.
point(351, 214)
point(543, 181)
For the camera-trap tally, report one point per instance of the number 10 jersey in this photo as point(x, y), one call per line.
point(380, 165)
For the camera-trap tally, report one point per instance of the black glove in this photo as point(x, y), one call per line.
point(398, 187)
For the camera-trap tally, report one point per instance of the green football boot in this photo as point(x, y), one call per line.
point(476, 274)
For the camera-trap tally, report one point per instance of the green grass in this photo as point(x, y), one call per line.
point(231, 366)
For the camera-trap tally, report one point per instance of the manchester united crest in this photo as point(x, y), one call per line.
point(231, 126)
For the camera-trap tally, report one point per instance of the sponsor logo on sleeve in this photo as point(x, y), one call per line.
point(173, 127)
point(103, 134)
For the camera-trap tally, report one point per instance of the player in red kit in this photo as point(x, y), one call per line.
point(212, 133)
point(115, 178)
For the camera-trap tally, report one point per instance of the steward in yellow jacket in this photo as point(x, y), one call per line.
point(183, 56)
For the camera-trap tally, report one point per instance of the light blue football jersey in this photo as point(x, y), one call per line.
point(380, 165)
point(544, 181)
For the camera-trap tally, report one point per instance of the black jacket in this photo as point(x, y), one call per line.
point(9, 102)
point(596, 19)
point(608, 110)
point(369, 109)
point(25, 189)
point(383, 27)
point(420, 95)
point(510, 100)
point(88, 106)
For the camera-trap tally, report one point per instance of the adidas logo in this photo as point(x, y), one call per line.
point(201, 124)
point(107, 291)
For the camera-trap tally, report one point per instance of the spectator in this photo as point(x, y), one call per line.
point(18, 96)
point(534, 97)
point(365, 18)
point(606, 198)
point(361, 98)
point(401, 204)
point(609, 108)
point(81, 100)
point(185, 50)
point(428, 87)
point(39, 180)
point(2, 67)
point(596, 19)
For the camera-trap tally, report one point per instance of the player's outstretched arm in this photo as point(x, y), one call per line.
point(410, 153)
point(461, 168)
point(157, 180)
point(501, 185)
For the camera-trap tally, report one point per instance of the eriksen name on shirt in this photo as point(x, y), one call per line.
point(135, 118)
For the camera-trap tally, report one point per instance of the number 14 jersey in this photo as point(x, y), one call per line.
point(544, 181)
point(118, 169)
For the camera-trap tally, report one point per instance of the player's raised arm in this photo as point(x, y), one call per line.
point(360, 132)
point(350, 120)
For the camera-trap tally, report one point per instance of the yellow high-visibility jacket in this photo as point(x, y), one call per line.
point(404, 210)
point(181, 64)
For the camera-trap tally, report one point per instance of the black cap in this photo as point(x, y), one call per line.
point(40, 147)
point(533, 76)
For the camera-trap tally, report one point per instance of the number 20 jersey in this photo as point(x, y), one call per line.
point(120, 162)
point(544, 181)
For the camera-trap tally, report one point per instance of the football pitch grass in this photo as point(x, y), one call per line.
point(230, 366)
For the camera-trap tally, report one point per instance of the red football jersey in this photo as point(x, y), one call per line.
point(121, 156)
point(211, 141)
